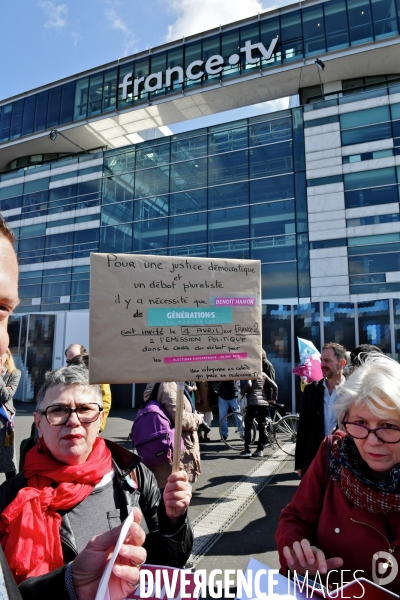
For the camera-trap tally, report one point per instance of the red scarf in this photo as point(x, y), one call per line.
point(30, 525)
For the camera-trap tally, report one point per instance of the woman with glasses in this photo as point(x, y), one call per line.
point(75, 485)
point(346, 509)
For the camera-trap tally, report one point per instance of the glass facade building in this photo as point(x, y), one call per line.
point(311, 191)
point(307, 32)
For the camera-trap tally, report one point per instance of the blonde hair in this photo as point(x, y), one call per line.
point(376, 383)
point(9, 362)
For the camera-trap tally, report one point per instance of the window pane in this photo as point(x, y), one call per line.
point(16, 120)
point(95, 94)
point(152, 182)
point(110, 90)
point(150, 235)
point(116, 239)
point(274, 249)
point(188, 229)
point(365, 117)
point(67, 102)
point(158, 64)
point(5, 122)
point(370, 133)
point(337, 35)
point(272, 188)
point(211, 47)
point(395, 109)
point(228, 224)
point(374, 177)
point(279, 280)
point(271, 159)
point(175, 59)
point(250, 33)
point(120, 163)
point(313, 31)
point(224, 196)
point(270, 28)
point(384, 18)
point(188, 148)
point(227, 140)
point(29, 115)
point(41, 111)
point(272, 130)
point(272, 218)
point(359, 21)
point(231, 249)
point(231, 166)
point(292, 37)
point(152, 155)
point(124, 71)
point(189, 175)
point(150, 208)
point(188, 202)
point(81, 98)
point(141, 68)
point(53, 115)
point(230, 44)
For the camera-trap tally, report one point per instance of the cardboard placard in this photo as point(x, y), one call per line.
point(168, 318)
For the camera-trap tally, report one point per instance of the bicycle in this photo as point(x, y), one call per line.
point(280, 430)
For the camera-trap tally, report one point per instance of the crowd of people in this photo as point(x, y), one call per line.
point(62, 513)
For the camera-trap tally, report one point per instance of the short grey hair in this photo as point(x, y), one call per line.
point(376, 383)
point(72, 375)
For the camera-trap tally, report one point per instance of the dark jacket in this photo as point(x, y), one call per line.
point(228, 390)
point(321, 513)
point(255, 391)
point(164, 546)
point(270, 390)
point(311, 431)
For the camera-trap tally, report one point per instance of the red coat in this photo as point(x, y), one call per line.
point(321, 513)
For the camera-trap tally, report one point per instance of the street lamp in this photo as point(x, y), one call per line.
point(320, 67)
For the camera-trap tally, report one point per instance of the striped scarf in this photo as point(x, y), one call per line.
point(379, 496)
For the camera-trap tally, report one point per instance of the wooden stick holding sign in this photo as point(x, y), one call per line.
point(176, 463)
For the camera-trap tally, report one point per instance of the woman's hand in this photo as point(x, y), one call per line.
point(304, 557)
point(177, 495)
point(89, 565)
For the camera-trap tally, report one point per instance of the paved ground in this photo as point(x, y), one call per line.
point(252, 534)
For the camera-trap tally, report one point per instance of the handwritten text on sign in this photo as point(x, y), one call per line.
point(161, 318)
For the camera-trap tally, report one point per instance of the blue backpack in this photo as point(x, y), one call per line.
point(152, 433)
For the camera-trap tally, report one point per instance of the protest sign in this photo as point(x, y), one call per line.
point(164, 318)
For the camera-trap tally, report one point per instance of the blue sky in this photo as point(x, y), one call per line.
point(45, 40)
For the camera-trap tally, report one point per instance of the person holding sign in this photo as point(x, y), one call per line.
point(345, 513)
point(76, 485)
point(80, 579)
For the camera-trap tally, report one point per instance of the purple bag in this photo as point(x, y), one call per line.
point(152, 433)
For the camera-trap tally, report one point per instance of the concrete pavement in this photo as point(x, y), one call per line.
point(252, 531)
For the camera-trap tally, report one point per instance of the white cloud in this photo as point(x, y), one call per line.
point(195, 16)
point(117, 22)
point(75, 38)
point(55, 14)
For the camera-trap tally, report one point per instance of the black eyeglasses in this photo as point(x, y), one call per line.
point(389, 435)
point(58, 414)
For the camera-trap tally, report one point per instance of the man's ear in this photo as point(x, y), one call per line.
point(343, 363)
point(37, 417)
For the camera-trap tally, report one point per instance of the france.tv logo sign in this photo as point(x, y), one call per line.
point(213, 66)
point(379, 569)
